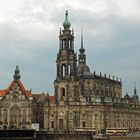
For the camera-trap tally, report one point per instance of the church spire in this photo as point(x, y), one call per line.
point(17, 73)
point(66, 57)
point(135, 96)
point(66, 23)
point(82, 56)
point(82, 38)
point(135, 89)
point(82, 66)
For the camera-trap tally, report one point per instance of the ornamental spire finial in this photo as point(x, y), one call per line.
point(81, 38)
point(82, 56)
point(135, 89)
point(66, 14)
point(17, 73)
point(66, 23)
point(82, 50)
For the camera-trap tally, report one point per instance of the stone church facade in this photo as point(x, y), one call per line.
point(82, 99)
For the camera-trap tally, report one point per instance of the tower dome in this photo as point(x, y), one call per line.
point(66, 23)
point(82, 68)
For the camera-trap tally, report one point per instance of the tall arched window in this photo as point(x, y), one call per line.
point(63, 70)
point(69, 44)
point(62, 92)
point(69, 69)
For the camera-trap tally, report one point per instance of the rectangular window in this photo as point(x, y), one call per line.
point(61, 124)
point(83, 124)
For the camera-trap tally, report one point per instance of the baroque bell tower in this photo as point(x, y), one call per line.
point(66, 58)
point(66, 62)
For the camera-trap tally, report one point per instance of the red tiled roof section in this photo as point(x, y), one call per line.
point(3, 92)
point(51, 98)
point(21, 86)
point(27, 92)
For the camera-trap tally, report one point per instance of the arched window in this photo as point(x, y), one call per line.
point(63, 69)
point(62, 92)
point(52, 124)
point(69, 69)
point(69, 44)
point(64, 44)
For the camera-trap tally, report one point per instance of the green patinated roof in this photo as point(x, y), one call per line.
point(66, 23)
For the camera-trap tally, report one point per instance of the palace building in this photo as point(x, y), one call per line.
point(82, 99)
point(15, 105)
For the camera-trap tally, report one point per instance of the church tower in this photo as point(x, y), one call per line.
point(66, 58)
point(82, 66)
point(66, 62)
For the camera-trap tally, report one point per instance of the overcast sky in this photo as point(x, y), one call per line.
point(29, 37)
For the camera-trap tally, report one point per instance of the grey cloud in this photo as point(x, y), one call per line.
point(111, 42)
